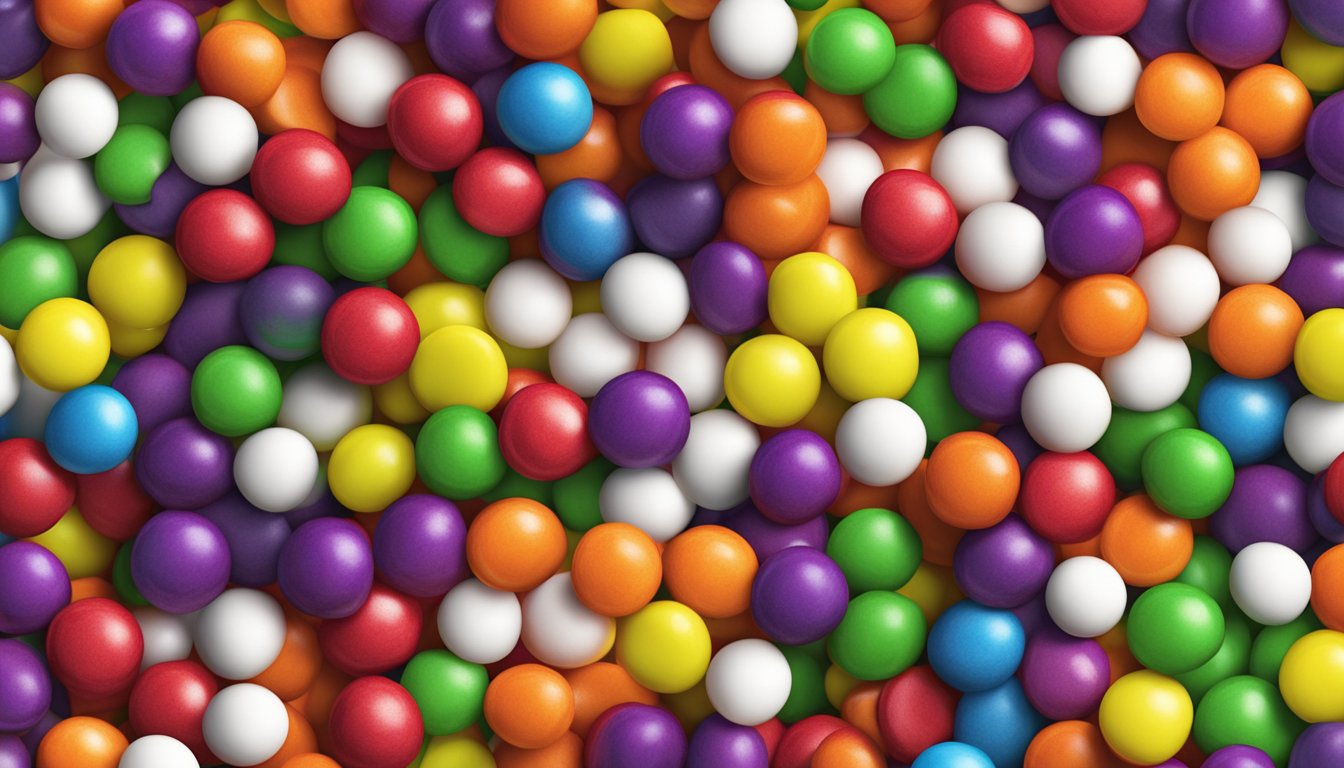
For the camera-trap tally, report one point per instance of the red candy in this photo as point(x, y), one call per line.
point(94, 647)
point(801, 740)
point(435, 122)
point(1049, 41)
point(300, 177)
point(1146, 189)
point(369, 336)
point(989, 49)
point(1334, 488)
point(499, 192)
point(1097, 17)
point(34, 490)
point(381, 635)
point(170, 699)
point(543, 433)
point(908, 219)
point(915, 711)
point(112, 502)
point(1066, 497)
point(223, 236)
point(375, 723)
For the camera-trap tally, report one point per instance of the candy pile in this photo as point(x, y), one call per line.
point(662, 383)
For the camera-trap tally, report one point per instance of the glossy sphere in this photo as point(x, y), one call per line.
point(300, 177)
point(240, 60)
point(435, 122)
point(377, 637)
point(685, 132)
point(235, 391)
point(1318, 334)
point(544, 108)
point(777, 138)
point(616, 569)
point(515, 544)
point(880, 636)
point(639, 419)
point(1173, 628)
point(529, 706)
point(1282, 99)
point(1265, 322)
point(630, 735)
point(1145, 717)
point(180, 561)
point(91, 429)
point(1144, 544)
point(1213, 173)
point(584, 229)
point(1179, 96)
point(223, 235)
point(326, 568)
point(772, 380)
point(419, 545)
point(1085, 214)
point(918, 95)
point(94, 647)
point(84, 741)
point(214, 140)
point(794, 476)
point(1309, 668)
point(41, 587)
point(665, 647)
point(498, 192)
point(359, 76)
point(1067, 496)
point(479, 624)
point(369, 336)
point(783, 578)
point(26, 684)
point(988, 48)
point(375, 723)
point(972, 480)
point(929, 219)
point(63, 343)
point(1085, 596)
point(996, 636)
point(849, 51)
point(543, 432)
point(457, 453)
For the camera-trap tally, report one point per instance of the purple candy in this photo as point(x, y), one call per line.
point(1325, 151)
point(152, 47)
point(1325, 209)
point(1064, 676)
point(1003, 566)
point(1002, 113)
point(180, 561)
point(639, 419)
point(209, 319)
point(35, 587)
point(1019, 441)
point(1037, 205)
point(325, 506)
point(25, 688)
point(401, 21)
point(486, 87)
point(728, 288)
point(1322, 519)
point(282, 311)
point(1267, 503)
point(989, 369)
point(718, 743)
point(254, 538)
point(636, 736)
point(1321, 744)
point(461, 38)
point(183, 465)
point(1237, 33)
point(685, 132)
point(799, 596)
point(1094, 230)
point(794, 476)
point(33, 736)
point(13, 753)
point(1323, 19)
point(675, 218)
point(326, 568)
point(169, 195)
point(158, 388)
point(18, 128)
point(21, 41)
point(1033, 616)
point(420, 545)
point(1315, 278)
point(1238, 756)
point(1161, 29)
point(1057, 150)
point(767, 537)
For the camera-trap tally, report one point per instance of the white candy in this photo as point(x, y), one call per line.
point(245, 724)
point(322, 406)
point(645, 296)
point(480, 624)
point(76, 115)
point(1099, 73)
point(156, 751)
point(1249, 245)
point(11, 379)
point(755, 39)
point(1149, 376)
point(693, 357)
point(713, 467)
point(972, 165)
point(167, 635)
point(1313, 432)
point(59, 197)
point(880, 441)
point(1270, 583)
point(748, 681)
point(560, 630)
point(590, 352)
point(1284, 193)
point(1085, 596)
point(1001, 247)
point(527, 304)
point(275, 469)
point(847, 169)
point(31, 410)
point(1066, 408)
point(359, 76)
point(1182, 289)
point(648, 499)
point(214, 140)
point(240, 633)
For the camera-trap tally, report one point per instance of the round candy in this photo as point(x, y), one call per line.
point(1084, 215)
point(656, 408)
point(241, 60)
point(718, 742)
point(94, 647)
point(1066, 407)
point(880, 636)
point(1310, 667)
point(223, 235)
point(135, 158)
point(326, 568)
point(322, 406)
point(91, 429)
point(989, 370)
point(235, 391)
point(1004, 565)
point(880, 441)
point(544, 108)
point(41, 587)
point(214, 140)
point(849, 51)
point(182, 465)
point(369, 336)
point(300, 177)
point(434, 121)
point(645, 296)
point(794, 476)
point(76, 115)
point(952, 754)
point(1099, 74)
point(996, 637)
point(1000, 246)
point(1181, 286)
point(1064, 677)
point(1145, 717)
point(1270, 583)
point(372, 235)
point(359, 76)
point(1244, 709)
point(685, 131)
point(989, 48)
point(1187, 473)
point(777, 591)
point(754, 39)
point(634, 734)
point(1320, 333)
point(479, 624)
point(1234, 33)
point(748, 681)
point(927, 215)
point(664, 646)
point(772, 380)
point(1055, 151)
point(276, 469)
point(1213, 173)
point(870, 352)
point(240, 633)
point(282, 311)
point(18, 125)
point(1173, 628)
point(1085, 596)
point(63, 343)
point(777, 137)
point(616, 569)
point(1249, 245)
point(448, 691)
point(917, 96)
point(584, 229)
point(153, 48)
point(180, 561)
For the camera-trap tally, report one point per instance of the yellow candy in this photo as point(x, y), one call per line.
point(808, 294)
point(457, 750)
point(1312, 676)
point(664, 646)
point(137, 281)
point(396, 401)
point(933, 589)
point(1319, 350)
point(772, 380)
point(30, 81)
point(134, 342)
point(1145, 717)
point(690, 706)
point(587, 296)
point(826, 413)
point(82, 550)
point(1318, 65)
point(251, 10)
point(63, 344)
point(626, 50)
point(838, 683)
point(871, 353)
point(371, 467)
point(538, 359)
point(459, 365)
point(438, 305)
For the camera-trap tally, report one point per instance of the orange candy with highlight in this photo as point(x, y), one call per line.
point(1213, 173)
point(86, 742)
point(710, 569)
point(240, 60)
point(599, 687)
point(530, 706)
point(1179, 96)
point(972, 480)
point(1327, 600)
point(616, 569)
point(1269, 107)
point(1253, 330)
point(515, 544)
point(1102, 315)
point(544, 30)
point(776, 222)
point(1145, 545)
point(777, 138)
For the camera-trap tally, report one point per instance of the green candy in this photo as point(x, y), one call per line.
point(1246, 710)
point(33, 269)
point(1208, 569)
point(86, 247)
point(1187, 473)
point(876, 549)
point(796, 74)
point(457, 453)
point(371, 236)
point(1272, 644)
point(1121, 447)
point(576, 496)
point(515, 485)
point(1202, 369)
point(122, 579)
point(126, 169)
point(454, 247)
point(236, 391)
point(449, 691)
point(373, 172)
point(849, 51)
point(939, 306)
point(931, 397)
point(807, 695)
point(301, 246)
point(137, 108)
point(1173, 628)
point(805, 5)
point(881, 635)
point(917, 96)
point(1233, 658)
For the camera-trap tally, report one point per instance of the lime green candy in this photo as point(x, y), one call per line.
point(849, 51)
point(236, 391)
point(881, 635)
point(931, 397)
point(126, 169)
point(449, 691)
point(1208, 569)
point(1233, 658)
point(1173, 628)
point(371, 236)
point(876, 549)
point(454, 247)
point(457, 453)
point(807, 694)
point(1187, 473)
point(917, 96)
point(939, 306)
point(1246, 710)
point(1121, 447)
point(1272, 644)
point(576, 496)
point(33, 269)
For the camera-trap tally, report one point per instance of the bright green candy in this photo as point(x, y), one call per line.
point(881, 635)
point(1272, 644)
point(1246, 710)
point(457, 453)
point(805, 5)
point(236, 391)
point(849, 51)
point(807, 695)
point(876, 549)
point(448, 690)
point(939, 306)
point(126, 169)
point(454, 247)
point(1173, 628)
point(1121, 447)
point(1187, 473)
point(576, 496)
point(122, 580)
point(1202, 369)
point(1208, 569)
point(301, 246)
point(1233, 658)
point(137, 108)
point(917, 97)
point(374, 170)
point(931, 397)
point(515, 485)
point(33, 269)
point(371, 236)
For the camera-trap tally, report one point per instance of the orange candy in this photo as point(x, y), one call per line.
point(1069, 744)
point(599, 687)
point(1125, 140)
point(1213, 173)
point(544, 30)
point(844, 115)
point(530, 706)
point(859, 709)
point(776, 222)
point(1145, 545)
point(847, 246)
point(1326, 598)
point(240, 60)
point(1269, 106)
point(90, 61)
point(617, 569)
point(911, 154)
point(567, 752)
point(710, 570)
point(515, 544)
point(310, 760)
point(297, 103)
point(1179, 96)
point(1055, 346)
point(301, 740)
point(777, 138)
point(83, 742)
point(1024, 308)
point(76, 23)
point(1103, 315)
point(324, 19)
point(972, 480)
point(294, 670)
point(848, 748)
point(596, 156)
point(940, 539)
point(1253, 330)
point(897, 10)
